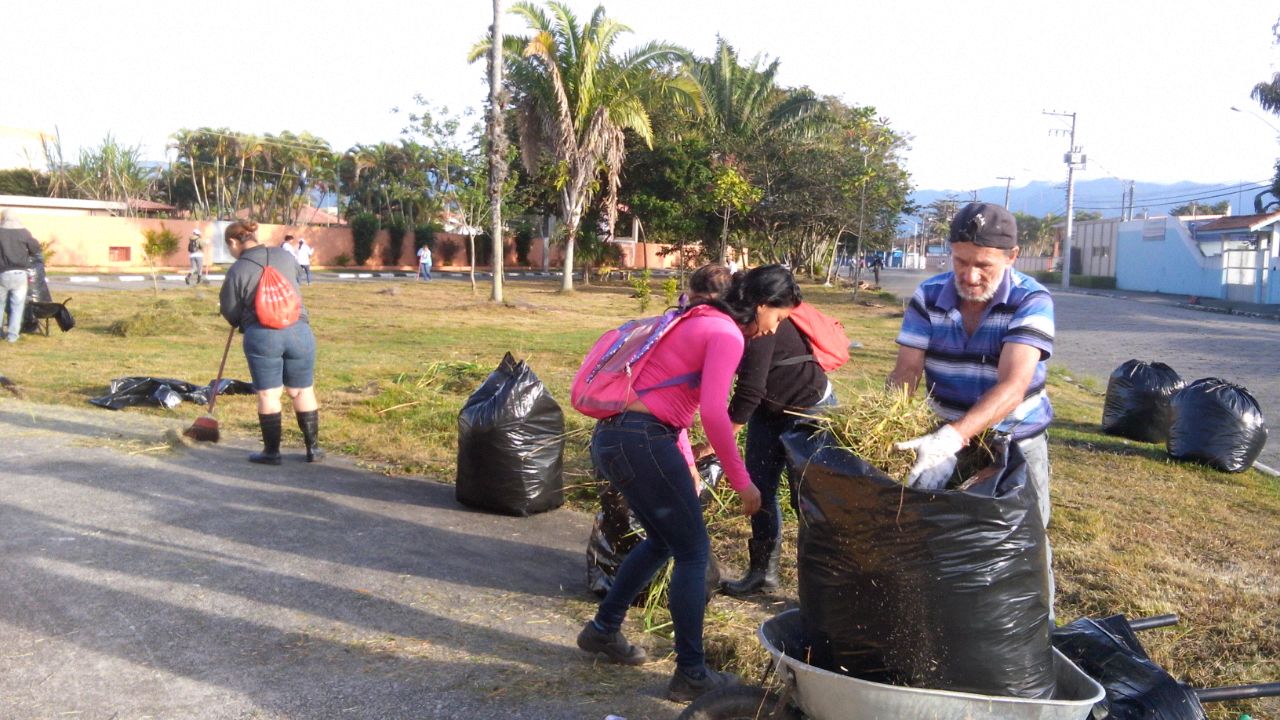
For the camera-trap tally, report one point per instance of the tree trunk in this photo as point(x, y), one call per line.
point(497, 154)
point(471, 240)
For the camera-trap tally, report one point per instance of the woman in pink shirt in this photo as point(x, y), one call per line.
point(643, 452)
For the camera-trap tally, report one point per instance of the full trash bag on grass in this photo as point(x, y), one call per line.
point(163, 392)
point(511, 444)
point(1137, 403)
point(616, 531)
point(946, 590)
point(1137, 689)
point(1216, 423)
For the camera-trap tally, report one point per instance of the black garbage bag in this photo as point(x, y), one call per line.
point(511, 444)
point(1216, 423)
point(163, 392)
point(1137, 689)
point(945, 590)
point(1137, 404)
point(616, 532)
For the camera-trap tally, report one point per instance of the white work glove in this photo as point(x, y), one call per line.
point(935, 458)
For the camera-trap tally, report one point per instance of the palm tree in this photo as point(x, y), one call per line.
point(575, 99)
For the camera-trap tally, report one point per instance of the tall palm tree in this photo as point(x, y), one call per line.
point(743, 102)
point(575, 99)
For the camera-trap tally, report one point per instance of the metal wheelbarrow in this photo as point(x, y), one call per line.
point(817, 694)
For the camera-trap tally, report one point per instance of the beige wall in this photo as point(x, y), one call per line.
point(86, 243)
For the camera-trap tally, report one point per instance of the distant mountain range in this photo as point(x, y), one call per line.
point(1104, 195)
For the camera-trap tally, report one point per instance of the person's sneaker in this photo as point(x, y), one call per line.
point(686, 687)
point(613, 645)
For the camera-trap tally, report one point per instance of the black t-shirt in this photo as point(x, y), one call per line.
point(762, 383)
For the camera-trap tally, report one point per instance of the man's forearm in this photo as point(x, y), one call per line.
point(990, 409)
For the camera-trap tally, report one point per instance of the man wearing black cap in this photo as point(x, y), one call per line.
point(981, 335)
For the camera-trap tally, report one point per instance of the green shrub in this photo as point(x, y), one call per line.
point(161, 317)
point(670, 291)
point(364, 227)
point(425, 234)
point(643, 293)
point(342, 260)
point(1096, 282)
point(395, 242)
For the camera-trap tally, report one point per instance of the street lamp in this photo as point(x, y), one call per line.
point(1260, 119)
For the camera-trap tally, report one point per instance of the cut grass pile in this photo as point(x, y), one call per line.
point(1133, 531)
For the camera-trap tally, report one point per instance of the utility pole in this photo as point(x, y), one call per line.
point(1072, 158)
point(1008, 183)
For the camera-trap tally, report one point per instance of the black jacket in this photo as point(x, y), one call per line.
point(763, 383)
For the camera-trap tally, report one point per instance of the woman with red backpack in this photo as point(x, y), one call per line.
point(260, 297)
point(640, 452)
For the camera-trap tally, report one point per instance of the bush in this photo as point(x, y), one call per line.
point(643, 293)
point(448, 248)
point(425, 234)
point(670, 291)
point(364, 227)
point(395, 242)
point(524, 241)
point(1097, 282)
point(342, 260)
point(162, 317)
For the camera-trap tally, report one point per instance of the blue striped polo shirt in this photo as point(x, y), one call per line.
point(959, 369)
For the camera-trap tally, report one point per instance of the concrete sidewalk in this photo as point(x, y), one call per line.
point(147, 578)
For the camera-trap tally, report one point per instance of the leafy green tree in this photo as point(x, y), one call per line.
point(731, 193)
point(24, 182)
point(156, 246)
point(1196, 208)
point(575, 99)
point(1267, 94)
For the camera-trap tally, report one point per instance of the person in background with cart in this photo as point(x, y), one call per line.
point(981, 335)
point(19, 252)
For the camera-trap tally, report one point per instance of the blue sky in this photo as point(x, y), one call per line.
point(1152, 83)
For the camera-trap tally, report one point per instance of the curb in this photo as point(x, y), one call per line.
point(1230, 311)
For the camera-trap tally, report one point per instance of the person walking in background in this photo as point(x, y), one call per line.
point(195, 254)
point(279, 359)
point(19, 252)
point(303, 253)
point(777, 378)
point(424, 262)
point(876, 264)
point(641, 453)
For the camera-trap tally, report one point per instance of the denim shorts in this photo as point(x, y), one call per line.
point(280, 357)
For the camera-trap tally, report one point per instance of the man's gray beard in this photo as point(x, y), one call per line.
point(984, 297)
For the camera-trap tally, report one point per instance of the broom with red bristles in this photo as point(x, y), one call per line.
point(205, 428)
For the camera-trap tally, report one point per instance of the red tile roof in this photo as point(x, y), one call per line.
point(1250, 223)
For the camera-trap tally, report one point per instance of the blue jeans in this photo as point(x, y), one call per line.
point(280, 357)
point(14, 284)
point(638, 455)
point(424, 271)
point(766, 460)
point(304, 271)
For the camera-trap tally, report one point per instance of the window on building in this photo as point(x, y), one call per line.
point(118, 254)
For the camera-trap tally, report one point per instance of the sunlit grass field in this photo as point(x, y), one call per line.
point(1133, 532)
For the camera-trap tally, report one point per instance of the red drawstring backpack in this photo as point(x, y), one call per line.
point(827, 341)
point(276, 302)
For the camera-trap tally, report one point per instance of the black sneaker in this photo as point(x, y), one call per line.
point(613, 645)
point(685, 687)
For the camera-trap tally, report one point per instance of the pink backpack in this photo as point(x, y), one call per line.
point(604, 386)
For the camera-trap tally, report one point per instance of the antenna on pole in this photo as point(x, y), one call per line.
point(1074, 157)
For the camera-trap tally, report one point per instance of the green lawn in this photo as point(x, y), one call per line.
point(1133, 532)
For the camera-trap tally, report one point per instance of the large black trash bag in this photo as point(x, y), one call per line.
point(616, 532)
point(944, 590)
point(511, 444)
point(1137, 689)
point(1216, 423)
point(1137, 404)
point(163, 392)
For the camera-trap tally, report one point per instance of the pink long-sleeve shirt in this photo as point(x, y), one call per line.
point(710, 344)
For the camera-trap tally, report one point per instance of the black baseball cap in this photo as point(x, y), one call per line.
point(985, 225)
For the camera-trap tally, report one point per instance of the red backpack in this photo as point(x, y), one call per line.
point(276, 301)
point(604, 384)
point(827, 341)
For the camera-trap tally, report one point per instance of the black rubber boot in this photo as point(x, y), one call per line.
point(309, 422)
point(762, 572)
point(270, 454)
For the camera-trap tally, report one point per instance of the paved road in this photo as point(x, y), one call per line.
point(1097, 333)
point(147, 581)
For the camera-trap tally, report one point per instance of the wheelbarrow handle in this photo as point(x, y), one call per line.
point(1155, 621)
point(1238, 692)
